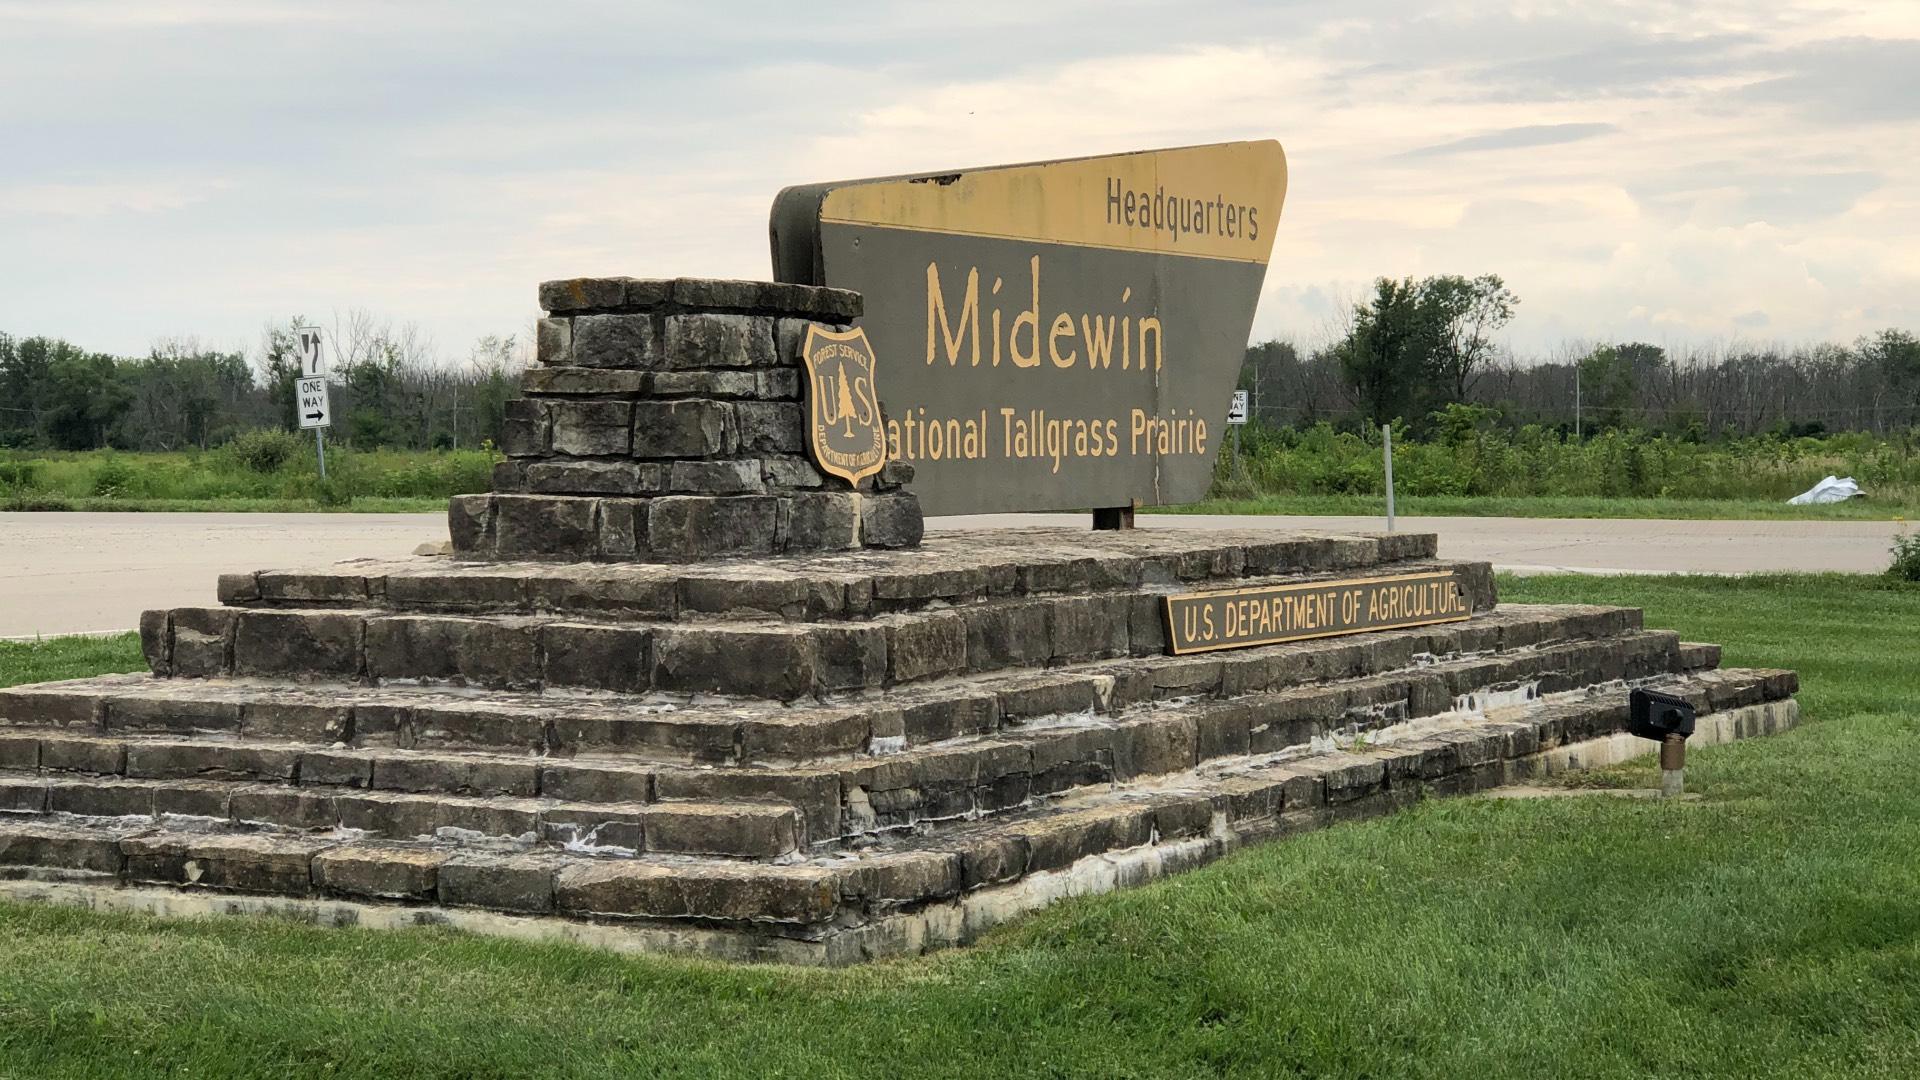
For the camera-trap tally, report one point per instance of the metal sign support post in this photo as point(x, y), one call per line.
point(1386, 448)
point(320, 446)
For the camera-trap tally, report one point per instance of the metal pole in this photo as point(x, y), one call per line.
point(1673, 766)
point(1236, 451)
point(1576, 400)
point(1386, 448)
point(320, 445)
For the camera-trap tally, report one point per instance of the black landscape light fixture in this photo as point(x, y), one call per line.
point(1668, 720)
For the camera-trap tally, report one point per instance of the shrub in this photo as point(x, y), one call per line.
point(114, 478)
point(1906, 557)
point(20, 474)
point(264, 450)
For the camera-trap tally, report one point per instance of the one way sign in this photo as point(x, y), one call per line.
point(311, 404)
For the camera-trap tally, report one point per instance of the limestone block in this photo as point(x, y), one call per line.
point(823, 521)
point(616, 341)
point(405, 817)
point(852, 656)
point(336, 768)
point(202, 641)
point(525, 430)
point(553, 341)
point(596, 783)
point(593, 477)
point(1153, 747)
point(777, 384)
point(756, 831)
point(741, 477)
point(591, 428)
point(600, 382)
point(386, 871)
point(321, 643)
point(784, 471)
point(891, 521)
point(682, 429)
point(776, 427)
point(786, 894)
point(454, 774)
point(583, 294)
point(501, 882)
point(542, 524)
point(597, 655)
point(83, 756)
point(927, 645)
point(705, 384)
point(156, 639)
point(485, 652)
point(716, 341)
point(470, 522)
point(207, 761)
point(692, 526)
point(771, 662)
point(621, 526)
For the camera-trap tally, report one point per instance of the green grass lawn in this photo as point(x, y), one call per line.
point(359, 504)
point(1555, 506)
point(1771, 929)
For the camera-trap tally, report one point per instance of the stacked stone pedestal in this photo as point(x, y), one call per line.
point(665, 421)
point(815, 759)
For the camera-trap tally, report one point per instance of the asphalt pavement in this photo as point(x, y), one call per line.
point(67, 573)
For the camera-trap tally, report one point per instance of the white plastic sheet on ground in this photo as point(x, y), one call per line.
point(1830, 490)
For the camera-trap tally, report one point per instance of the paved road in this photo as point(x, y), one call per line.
point(81, 573)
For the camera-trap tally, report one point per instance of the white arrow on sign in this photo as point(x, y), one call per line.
point(1237, 414)
point(312, 361)
point(311, 404)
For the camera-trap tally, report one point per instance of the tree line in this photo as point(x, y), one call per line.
point(1414, 347)
point(391, 389)
point(1405, 353)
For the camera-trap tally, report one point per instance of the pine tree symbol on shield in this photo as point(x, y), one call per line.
point(844, 432)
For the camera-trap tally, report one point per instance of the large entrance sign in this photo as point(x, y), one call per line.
point(1057, 335)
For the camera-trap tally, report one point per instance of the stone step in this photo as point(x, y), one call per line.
point(765, 658)
point(1030, 742)
point(949, 569)
point(692, 727)
point(764, 829)
point(904, 893)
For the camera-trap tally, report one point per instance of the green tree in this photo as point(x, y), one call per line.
point(280, 369)
point(1610, 377)
point(1386, 357)
point(1466, 313)
point(87, 397)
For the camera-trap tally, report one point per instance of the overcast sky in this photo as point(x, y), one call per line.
point(1673, 172)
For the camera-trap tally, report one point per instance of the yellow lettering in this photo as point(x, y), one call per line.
point(969, 316)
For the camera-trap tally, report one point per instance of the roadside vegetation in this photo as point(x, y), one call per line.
point(1620, 429)
point(1468, 461)
point(259, 470)
point(1770, 929)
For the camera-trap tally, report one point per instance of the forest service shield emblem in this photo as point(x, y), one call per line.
point(844, 432)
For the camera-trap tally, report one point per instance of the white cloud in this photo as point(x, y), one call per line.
point(1631, 168)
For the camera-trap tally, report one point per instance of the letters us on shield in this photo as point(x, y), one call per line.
point(844, 432)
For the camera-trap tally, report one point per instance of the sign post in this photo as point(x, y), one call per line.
point(312, 404)
point(1236, 418)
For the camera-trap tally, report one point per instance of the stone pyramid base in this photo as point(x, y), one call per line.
point(818, 759)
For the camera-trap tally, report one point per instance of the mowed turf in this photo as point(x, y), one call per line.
point(1769, 930)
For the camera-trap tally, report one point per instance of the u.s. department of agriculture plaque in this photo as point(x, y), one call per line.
point(1055, 335)
point(844, 433)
